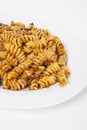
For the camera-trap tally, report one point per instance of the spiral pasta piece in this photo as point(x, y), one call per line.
point(44, 82)
point(16, 52)
point(61, 53)
point(43, 56)
point(51, 69)
point(5, 68)
point(61, 78)
point(29, 46)
point(26, 38)
point(14, 84)
point(33, 85)
point(8, 36)
point(60, 48)
point(62, 60)
point(66, 71)
point(19, 69)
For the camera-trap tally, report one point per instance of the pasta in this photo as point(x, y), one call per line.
point(44, 56)
point(14, 84)
point(8, 36)
point(43, 82)
point(0, 70)
point(51, 69)
point(35, 44)
point(19, 69)
point(31, 57)
point(61, 78)
point(15, 52)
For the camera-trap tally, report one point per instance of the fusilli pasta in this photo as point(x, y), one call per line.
point(31, 57)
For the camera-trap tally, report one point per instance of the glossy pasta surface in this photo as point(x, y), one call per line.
point(31, 57)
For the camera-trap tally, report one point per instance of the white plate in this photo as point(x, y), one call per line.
point(77, 63)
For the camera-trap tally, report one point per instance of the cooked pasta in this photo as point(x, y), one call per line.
point(3, 55)
point(15, 52)
point(43, 82)
point(26, 38)
point(0, 69)
point(31, 57)
point(19, 69)
point(36, 44)
point(62, 78)
point(51, 69)
point(14, 84)
point(10, 37)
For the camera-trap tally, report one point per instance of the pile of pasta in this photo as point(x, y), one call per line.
point(31, 57)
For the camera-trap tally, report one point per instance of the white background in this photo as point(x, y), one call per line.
point(72, 115)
